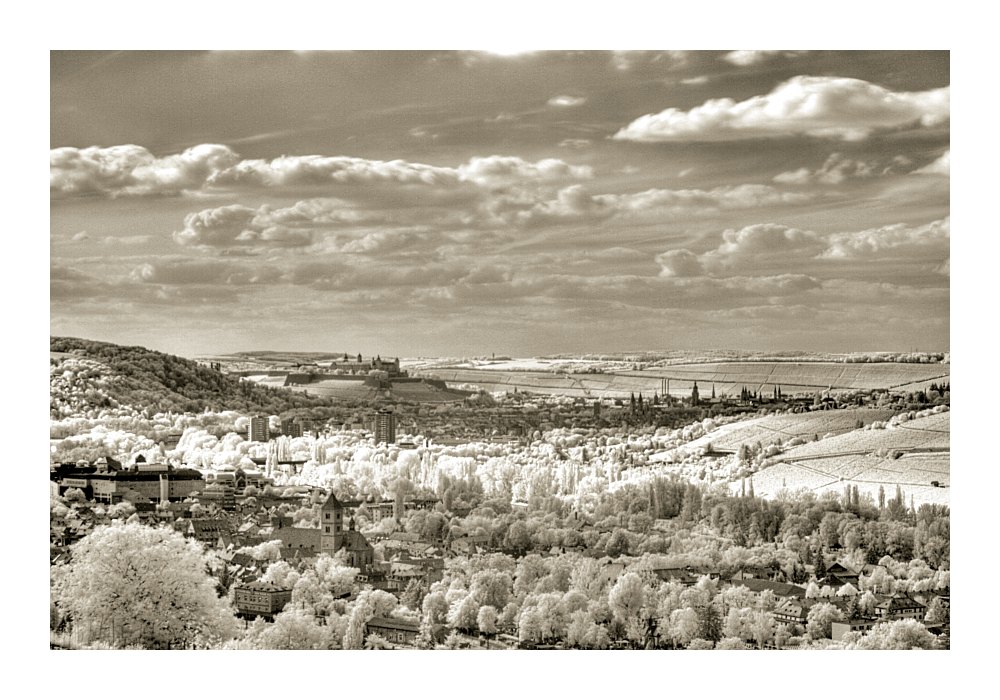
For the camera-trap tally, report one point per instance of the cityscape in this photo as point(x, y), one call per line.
point(449, 351)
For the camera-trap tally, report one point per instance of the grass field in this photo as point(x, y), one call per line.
point(910, 455)
point(784, 427)
point(727, 377)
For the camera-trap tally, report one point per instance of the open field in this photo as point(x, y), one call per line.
point(786, 426)
point(728, 378)
point(911, 455)
point(348, 390)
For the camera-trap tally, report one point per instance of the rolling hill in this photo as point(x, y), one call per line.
point(86, 375)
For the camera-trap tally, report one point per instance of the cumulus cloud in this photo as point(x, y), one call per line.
point(575, 203)
point(872, 242)
point(498, 170)
point(771, 246)
point(827, 107)
point(940, 166)
point(81, 236)
point(751, 58)
point(838, 168)
point(679, 263)
point(134, 171)
point(182, 271)
point(566, 101)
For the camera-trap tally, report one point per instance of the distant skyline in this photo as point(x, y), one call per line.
point(462, 203)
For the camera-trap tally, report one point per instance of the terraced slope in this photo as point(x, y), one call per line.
point(910, 455)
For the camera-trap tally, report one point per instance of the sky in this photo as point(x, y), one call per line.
point(468, 203)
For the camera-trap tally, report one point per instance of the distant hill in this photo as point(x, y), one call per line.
point(89, 374)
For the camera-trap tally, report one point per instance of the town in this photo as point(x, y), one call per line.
point(513, 521)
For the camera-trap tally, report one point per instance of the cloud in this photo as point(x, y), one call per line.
point(566, 101)
point(873, 242)
point(498, 170)
point(770, 246)
point(575, 143)
point(679, 263)
point(752, 58)
point(134, 171)
point(697, 80)
point(81, 236)
point(838, 168)
point(826, 107)
point(575, 203)
point(940, 166)
point(183, 271)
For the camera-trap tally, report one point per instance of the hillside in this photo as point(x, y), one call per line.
point(910, 454)
point(728, 378)
point(90, 375)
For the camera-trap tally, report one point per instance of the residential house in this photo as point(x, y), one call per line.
point(259, 599)
point(394, 630)
point(900, 607)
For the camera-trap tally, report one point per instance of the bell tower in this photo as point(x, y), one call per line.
point(332, 524)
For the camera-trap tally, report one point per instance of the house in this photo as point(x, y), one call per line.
point(900, 607)
point(794, 610)
point(780, 590)
point(209, 530)
point(394, 630)
point(684, 576)
point(843, 574)
point(259, 599)
point(862, 625)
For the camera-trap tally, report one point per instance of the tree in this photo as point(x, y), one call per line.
point(937, 613)
point(820, 619)
point(487, 620)
point(626, 599)
point(133, 585)
point(294, 628)
point(898, 634)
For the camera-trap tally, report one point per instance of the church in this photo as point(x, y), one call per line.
point(334, 536)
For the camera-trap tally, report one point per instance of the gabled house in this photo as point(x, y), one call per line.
point(900, 607)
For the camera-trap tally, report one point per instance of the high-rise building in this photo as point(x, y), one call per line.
point(291, 427)
point(258, 430)
point(384, 427)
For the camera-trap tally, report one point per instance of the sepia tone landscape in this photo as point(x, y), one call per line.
point(455, 350)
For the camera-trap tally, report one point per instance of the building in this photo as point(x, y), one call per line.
point(209, 530)
point(258, 599)
point(259, 429)
point(137, 483)
point(384, 427)
point(900, 607)
point(862, 625)
point(334, 536)
point(292, 427)
point(393, 629)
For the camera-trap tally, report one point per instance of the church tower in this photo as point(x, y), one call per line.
point(694, 395)
point(332, 521)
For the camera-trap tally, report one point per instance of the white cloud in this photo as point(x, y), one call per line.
point(566, 101)
point(133, 170)
point(835, 170)
point(81, 236)
point(763, 247)
point(751, 58)
point(940, 166)
point(495, 170)
point(872, 242)
point(827, 107)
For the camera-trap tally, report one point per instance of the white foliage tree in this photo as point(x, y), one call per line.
point(134, 585)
